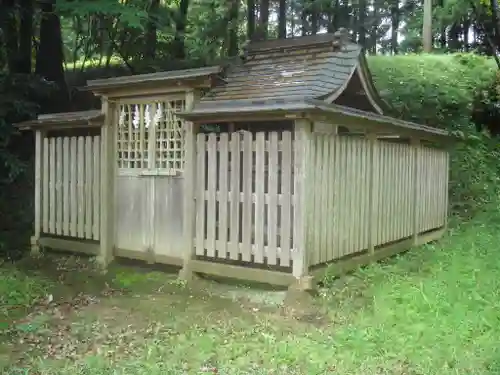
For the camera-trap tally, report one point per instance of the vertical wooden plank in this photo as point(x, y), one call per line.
point(234, 207)
point(38, 189)
point(323, 225)
point(363, 189)
point(88, 187)
point(153, 158)
point(73, 197)
point(200, 194)
point(356, 194)
point(247, 227)
point(272, 206)
point(338, 203)
point(344, 189)
point(190, 170)
point(301, 158)
point(52, 185)
point(66, 182)
point(59, 190)
point(96, 197)
point(211, 194)
point(373, 181)
point(415, 145)
point(286, 202)
point(45, 183)
point(260, 158)
point(107, 182)
point(81, 187)
point(330, 224)
point(314, 200)
point(223, 194)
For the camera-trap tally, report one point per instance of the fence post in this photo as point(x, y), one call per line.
point(415, 146)
point(300, 256)
point(188, 191)
point(372, 196)
point(108, 177)
point(35, 239)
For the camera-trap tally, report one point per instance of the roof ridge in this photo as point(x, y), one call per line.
point(336, 40)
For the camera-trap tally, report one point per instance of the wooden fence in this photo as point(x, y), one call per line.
point(245, 182)
point(345, 217)
point(70, 186)
point(355, 199)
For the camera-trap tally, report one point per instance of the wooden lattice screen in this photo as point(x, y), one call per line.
point(151, 136)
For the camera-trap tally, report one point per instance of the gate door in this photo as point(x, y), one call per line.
point(148, 186)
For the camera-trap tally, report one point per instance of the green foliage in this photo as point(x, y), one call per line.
point(437, 90)
point(440, 90)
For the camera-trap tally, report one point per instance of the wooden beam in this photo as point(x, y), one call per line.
point(107, 184)
point(302, 144)
point(35, 248)
point(242, 273)
point(188, 191)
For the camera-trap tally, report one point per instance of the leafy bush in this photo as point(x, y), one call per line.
point(440, 90)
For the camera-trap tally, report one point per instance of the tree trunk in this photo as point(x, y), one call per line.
point(282, 19)
point(303, 18)
point(232, 48)
point(151, 28)
point(250, 19)
point(263, 19)
point(10, 34)
point(314, 17)
point(50, 58)
point(361, 23)
point(466, 28)
point(179, 50)
point(374, 29)
point(427, 27)
point(394, 26)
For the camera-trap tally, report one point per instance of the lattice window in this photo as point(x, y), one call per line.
point(170, 137)
point(140, 123)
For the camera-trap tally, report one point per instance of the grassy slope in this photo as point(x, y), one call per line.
point(432, 311)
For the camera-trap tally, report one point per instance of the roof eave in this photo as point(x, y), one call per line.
point(58, 121)
point(108, 86)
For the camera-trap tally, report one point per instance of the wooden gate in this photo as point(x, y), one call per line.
point(244, 197)
point(149, 184)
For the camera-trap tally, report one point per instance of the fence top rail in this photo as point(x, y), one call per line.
point(66, 120)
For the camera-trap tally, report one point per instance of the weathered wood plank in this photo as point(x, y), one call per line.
point(286, 201)
point(211, 196)
point(247, 193)
point(45, 185)
point(224, 192)
point(66, 183)
point(59, 186)
point(52, 185)
point(81, 187)
point(259, 217)
point(200, 194)
point(272, 207)
point(38, 188)
point(73, 197)
point(234, 206)
point(96, 196)
point(88, 187)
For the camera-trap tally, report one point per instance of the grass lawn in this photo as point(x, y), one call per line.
point(434, 310)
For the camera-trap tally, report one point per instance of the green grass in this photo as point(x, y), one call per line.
point(435, 310)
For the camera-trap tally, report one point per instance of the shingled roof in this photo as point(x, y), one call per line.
point(325, 67)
